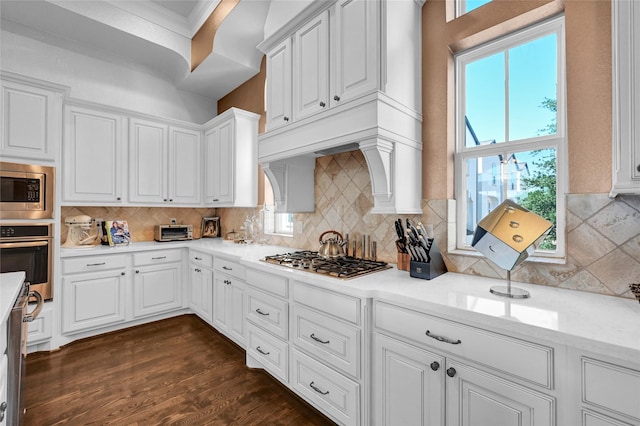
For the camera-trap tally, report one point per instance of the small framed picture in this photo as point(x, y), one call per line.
point(210, 227)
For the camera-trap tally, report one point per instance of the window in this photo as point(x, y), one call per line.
point(274, 223)
point(510, 132)
point(464, 6)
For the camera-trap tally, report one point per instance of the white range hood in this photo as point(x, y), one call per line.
point(383, 120)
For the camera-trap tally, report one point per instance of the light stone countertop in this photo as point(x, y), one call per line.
point(10, 284)
point(604, 324)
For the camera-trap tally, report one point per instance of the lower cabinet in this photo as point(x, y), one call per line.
point(418, 382)
point(92, 300)
point(157, 289)
point(3, 387)
point(229, 291)
point(201, 292)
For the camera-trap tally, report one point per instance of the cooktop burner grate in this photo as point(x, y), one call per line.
point(344, 267)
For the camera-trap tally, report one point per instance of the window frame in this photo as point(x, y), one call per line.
point(558, 141)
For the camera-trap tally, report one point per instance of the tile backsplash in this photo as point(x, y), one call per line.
point(603, 234)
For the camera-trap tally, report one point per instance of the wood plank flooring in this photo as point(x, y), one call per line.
point(175, 371)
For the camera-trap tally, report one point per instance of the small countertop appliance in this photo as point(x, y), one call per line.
point(81, 232)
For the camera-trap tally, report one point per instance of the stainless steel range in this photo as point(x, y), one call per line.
point(343, 267)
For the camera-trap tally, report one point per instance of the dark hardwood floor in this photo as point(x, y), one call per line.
point(174, 371)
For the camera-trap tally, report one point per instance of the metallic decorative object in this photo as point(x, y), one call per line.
point(507, 236)
point(635, 289)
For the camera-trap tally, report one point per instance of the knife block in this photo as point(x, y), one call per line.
point(428, 270)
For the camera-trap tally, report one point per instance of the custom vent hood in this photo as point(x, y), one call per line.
point(338, 81)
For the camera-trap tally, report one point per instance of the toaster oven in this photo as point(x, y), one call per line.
point(173, 232)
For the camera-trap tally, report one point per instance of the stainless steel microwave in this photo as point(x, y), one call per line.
point(26, 191)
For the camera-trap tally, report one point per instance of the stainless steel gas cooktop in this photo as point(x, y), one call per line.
point(343, 267)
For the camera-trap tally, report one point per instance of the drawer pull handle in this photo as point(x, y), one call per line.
point(266, 314)
point(96, 264)
point(159, 257)
point(451, 371)
point(435, 365)
point(443, 339)
point(226, 268)
point(261, 351)
point(197, 258)
point(315, 388)
point(324, 342)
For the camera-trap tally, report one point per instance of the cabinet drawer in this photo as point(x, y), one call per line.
point(327, 339)
point(202, 259)
point(526, 360)
point(156, 257)
point(269, 351)
point(229, 267)
point(268, 282)
point(339, 305)
point(611, 387)
point(268, 312)
point(93, 263)
point(325, 389)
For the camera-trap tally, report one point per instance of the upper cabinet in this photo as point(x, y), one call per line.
point(31, 114)
point(626, 97)
point(164, 163)
point(231, 147)
point(92, 155)
point(340, 77)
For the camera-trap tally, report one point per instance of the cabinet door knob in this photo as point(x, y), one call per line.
point(118, 198)
point(336, 98)
point(165, 200)
point(451, 371)
point(121, 273)
point(435, 365)
point(171, 200)
point(322, 104)
point(137, 271)
point(638, 168)
point(215, 199)
point(286, 119)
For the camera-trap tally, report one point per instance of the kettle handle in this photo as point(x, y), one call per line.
point(330, 232)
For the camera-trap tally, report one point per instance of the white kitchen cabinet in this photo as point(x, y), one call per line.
point(626, 97)
point(201, 285)
point(164, 163)
point(231, 165)
point(157, 283)
point(92, 300)
point(408, 384)
point(480, 390)
point(41, 329)
point(278, 85)
point(92, 164)
point(229, 291)
point(311, 67)
point(607, 391)
point(31, 114)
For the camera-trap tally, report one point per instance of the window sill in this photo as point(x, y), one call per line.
point(533, 259)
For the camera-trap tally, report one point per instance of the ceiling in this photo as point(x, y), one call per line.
point(155, 34)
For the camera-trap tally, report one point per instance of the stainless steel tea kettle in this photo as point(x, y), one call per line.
point(331, 247)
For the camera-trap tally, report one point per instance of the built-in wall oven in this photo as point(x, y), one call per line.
point(28, 247)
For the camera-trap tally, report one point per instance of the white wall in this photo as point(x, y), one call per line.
point(108, 82)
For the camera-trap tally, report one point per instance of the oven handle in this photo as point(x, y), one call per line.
point(24, 244)
point(29, 317)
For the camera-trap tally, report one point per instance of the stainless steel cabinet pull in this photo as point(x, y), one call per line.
point(315, 388)
point(443, 339)
point(36, 311)
point(451, 371)
point(261, 351)
point(159, 257)
point(262, 313)
point(96, 264)
point(435, 365)
point(313, 336)
point(226, 268)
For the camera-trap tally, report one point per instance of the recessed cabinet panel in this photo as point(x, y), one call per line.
point(279, 85)
point(408, 384)
point(157, 289)
point(311, 67)
point(356, 49)
point(92, 156)
point(147, 161)
point(611, 387)
point(184, 166)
